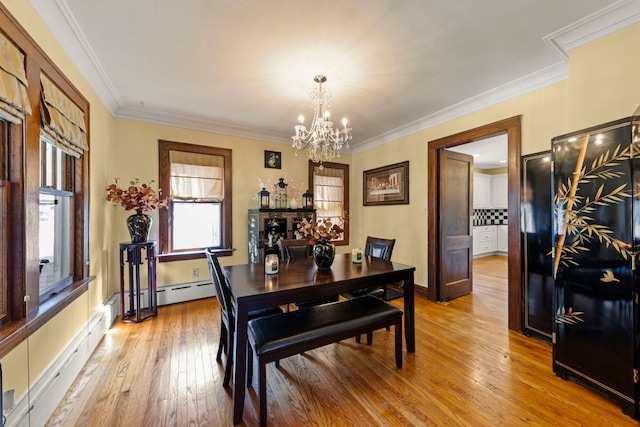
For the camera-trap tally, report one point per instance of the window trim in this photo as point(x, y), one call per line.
point(26, 317)
point(345, 169)
point(164, 172)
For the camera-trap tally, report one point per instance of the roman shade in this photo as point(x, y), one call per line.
point(329, 193)
point(62, 121)
point(196, 177)
point(14, 102)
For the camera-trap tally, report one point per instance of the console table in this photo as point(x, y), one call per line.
point(133, 252)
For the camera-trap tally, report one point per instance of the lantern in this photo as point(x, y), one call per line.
point(263, 199)
point(282, 193)
point(307, 200)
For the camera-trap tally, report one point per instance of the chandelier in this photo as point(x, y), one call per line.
point(322, 142)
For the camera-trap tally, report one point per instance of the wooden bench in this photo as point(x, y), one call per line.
point(282, 335)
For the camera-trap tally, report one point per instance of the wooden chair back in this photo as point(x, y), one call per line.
point(377, 247)
point(220, 286)
point(295, 249)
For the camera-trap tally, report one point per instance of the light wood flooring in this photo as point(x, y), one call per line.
point(468, 370)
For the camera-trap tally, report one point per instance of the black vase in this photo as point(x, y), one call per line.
point(323, 254)
point(139, 226)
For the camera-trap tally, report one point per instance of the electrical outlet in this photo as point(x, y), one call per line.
point(195, 272)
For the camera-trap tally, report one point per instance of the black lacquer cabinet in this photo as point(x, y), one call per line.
point(267, 226)
point(537, 240)
point(596, 236)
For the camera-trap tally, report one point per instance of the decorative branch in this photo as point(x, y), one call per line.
point(570, 202)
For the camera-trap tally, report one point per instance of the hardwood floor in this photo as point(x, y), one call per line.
point(468, 370)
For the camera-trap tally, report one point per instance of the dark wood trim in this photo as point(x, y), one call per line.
point(13, 333)
point(421, 291)
point(164, 178)
point(512, 127)
point(345, 169)
point(27, 317)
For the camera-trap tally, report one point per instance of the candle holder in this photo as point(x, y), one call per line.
point(263, 199)
point(307, 200)
point(356, 256)
point(271, 264)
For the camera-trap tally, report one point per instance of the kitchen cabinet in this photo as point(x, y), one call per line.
point(484, 240)
point(499, 191)
point(481, 191)
point(503, 238)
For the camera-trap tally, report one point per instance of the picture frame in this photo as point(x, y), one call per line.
point(388, 185)
point(272, 159)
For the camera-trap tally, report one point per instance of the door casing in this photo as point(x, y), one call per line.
point(512, 127)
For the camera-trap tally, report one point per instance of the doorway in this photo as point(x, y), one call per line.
point(512, 128)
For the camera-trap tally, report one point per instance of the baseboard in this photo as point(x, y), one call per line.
point(49, 389)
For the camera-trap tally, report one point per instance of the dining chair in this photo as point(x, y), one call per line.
point(299, 249)
point(375, 247)
point(227, 312)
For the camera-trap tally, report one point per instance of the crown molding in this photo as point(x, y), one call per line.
point(604, 22)
point(200, 124)
point(58, 18)
point(534, 81)
point(62, 24)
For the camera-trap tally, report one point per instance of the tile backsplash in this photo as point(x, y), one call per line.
point(489, 216)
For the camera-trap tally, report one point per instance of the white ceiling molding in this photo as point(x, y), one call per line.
point(194, 123)
point(592, 27)
point(62, 24)
point(546, 77)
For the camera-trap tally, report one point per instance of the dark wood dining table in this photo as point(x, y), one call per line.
point(300, 280)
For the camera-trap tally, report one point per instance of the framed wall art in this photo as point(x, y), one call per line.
point(388, 185)
point(272, 159)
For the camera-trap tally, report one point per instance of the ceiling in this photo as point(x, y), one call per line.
point(489, 153)
point(246, 68)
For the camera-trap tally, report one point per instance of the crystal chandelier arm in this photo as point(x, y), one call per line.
point(322, 141)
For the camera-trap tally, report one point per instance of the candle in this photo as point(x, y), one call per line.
point(356, 256)
point(271, 264)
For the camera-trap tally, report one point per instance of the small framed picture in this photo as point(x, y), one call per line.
point(272, 159)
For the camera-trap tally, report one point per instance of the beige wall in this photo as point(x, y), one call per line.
point(136, 151)
point(602, 86)
point(26, 363)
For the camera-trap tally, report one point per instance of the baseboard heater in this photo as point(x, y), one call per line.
point(173, 294)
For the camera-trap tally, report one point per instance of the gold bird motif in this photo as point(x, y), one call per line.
point(608, 277)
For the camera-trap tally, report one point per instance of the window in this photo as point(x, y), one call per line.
point(331, 194)
point(4, 229)
point(62, 148)
point(55, 221)
point(44, 188)
point(197, 180)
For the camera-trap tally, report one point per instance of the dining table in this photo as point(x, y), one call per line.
point(301, 280)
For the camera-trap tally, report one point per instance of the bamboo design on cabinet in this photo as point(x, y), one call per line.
point(579, 228)
point(575, 209)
